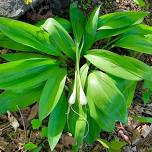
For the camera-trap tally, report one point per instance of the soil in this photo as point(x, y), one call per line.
point(133, 133)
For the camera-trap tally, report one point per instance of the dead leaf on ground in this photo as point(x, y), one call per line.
point(13, 121)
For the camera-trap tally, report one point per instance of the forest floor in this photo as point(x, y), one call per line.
point(137, 134)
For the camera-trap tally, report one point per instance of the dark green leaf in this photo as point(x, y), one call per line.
point(121, 66)
point(146, 96)
point(90, 29)
point(57, 122)
point(28, 34)
point(10, 100)
point(94, 130)
point(52, 92)
point(148, 85)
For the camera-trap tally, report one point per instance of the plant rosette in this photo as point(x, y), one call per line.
point(82, 90)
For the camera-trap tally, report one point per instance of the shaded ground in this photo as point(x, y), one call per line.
point(135, 133)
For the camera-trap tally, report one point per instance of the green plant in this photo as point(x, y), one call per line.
point(83, 90)
point(30, 146)
point(147, 92)
point(140, 2)
point(113, 146)
point(36, 123)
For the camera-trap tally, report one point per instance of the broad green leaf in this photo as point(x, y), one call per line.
point(90, 29)
point(60, 37)
point(121, 66)
point(120, 19)
point(94, 131)
point(104, 122)
point(52, 92)
point(28, 34)
point(140, 29)
point(129, 92)
point(21, 56)
point(102, 91)
point(127, 87)
point(65, 23)
point(136, 43)
point(83, 73)
point(140, 2)
point(78, 22)
point(105, 33)
point(8, 43)
point(11, 101)
point(57, 122)
point(26, 73)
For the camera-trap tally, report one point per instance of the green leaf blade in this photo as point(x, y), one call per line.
point(8, 43)
point(120, 66)
point(55, 126)
point(28, 73)
point(52, 92)
point(90, 29)
point(28, 35)
point(120, 19)
point(11, 101)
point(136, 43)
point(105, 95)
point(59, 36)
point(78, 22)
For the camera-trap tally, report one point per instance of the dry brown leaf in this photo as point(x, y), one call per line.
point(33, 112)
point(145, 130)
point(67, 140)
point(13, 121)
